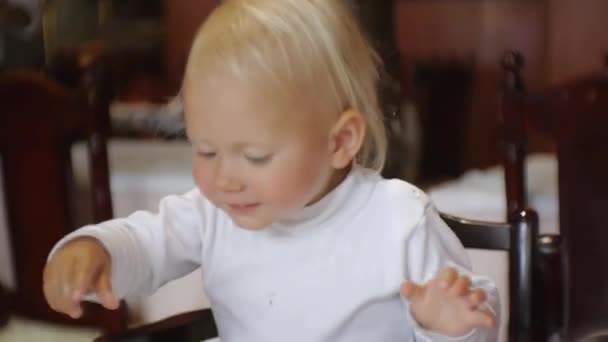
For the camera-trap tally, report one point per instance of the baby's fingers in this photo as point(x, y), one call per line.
point(82, 280)
point(104, 291)
point(53, 294)
point(77, 285)
point(447, 277)
point(58, 288)
point(412, 291)
point(461, 286)
point(481, 318)
point(476, 297)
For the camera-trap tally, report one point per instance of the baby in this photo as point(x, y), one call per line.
point(298, 236)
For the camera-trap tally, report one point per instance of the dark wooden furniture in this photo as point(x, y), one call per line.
point(40, 121)
point(517, 238)
point(377, 20)
point(4, 306)
point(575, 115)
point(195, 326)
point(442, 90)
point(13, 17)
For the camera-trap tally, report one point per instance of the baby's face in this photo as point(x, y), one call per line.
point(257, 160)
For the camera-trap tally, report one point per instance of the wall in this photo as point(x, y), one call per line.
point(578, 37)
point(182, 19)
point(481, 31)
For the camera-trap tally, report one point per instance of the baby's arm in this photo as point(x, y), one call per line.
point(147, 250)
point(445, 298)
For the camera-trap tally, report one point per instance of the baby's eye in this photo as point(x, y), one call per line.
point(259, 160)
point(206, 155)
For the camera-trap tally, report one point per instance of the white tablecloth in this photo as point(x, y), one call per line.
point(480, 194)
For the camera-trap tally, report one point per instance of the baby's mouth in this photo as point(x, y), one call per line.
point(243, 208)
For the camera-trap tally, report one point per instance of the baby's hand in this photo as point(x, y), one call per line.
point(79, 267)
point(447, 305)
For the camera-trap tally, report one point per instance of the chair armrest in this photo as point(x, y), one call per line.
point(548, 307)
point(191, 326)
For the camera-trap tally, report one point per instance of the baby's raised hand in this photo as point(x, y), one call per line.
point(81, 266)
point(447, 305)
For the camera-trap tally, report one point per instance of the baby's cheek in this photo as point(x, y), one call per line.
point(204, 185)
point(284, 193)
point(287, 193)
point(202, 176)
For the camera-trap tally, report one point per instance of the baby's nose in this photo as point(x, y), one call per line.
point(229, 184)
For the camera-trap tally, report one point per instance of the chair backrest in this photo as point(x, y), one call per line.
point(40, 120)
point(575, 115)
point(518, 238)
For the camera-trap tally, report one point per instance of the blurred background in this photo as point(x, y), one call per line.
point(106, 71)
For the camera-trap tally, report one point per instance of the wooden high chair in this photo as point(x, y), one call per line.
point(575, 115)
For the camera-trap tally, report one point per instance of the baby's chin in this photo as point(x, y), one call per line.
point(252, 223)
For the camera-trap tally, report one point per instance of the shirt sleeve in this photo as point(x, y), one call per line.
point(431, 247)
point(150, 249)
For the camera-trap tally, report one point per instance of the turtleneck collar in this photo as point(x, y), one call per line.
point(327, 208)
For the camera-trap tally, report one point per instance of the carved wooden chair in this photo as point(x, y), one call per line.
point(40, 122)
point(442, 90)
point(575, 115)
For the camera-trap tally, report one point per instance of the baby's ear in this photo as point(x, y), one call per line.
point(347, 136)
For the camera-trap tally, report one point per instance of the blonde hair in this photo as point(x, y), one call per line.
point(300, 48)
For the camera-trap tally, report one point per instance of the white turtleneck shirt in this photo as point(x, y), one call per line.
point(331, 274)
